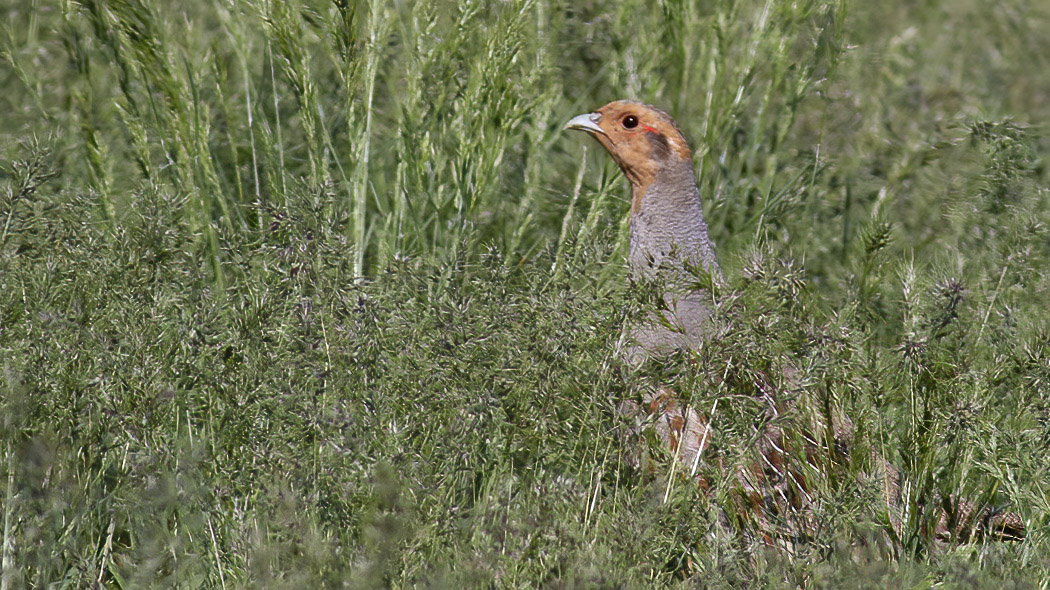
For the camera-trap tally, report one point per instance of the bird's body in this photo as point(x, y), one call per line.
point(670, 247)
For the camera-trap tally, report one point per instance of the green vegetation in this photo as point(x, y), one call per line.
point(307, 294)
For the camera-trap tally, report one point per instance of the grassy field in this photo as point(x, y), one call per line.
point(307, 295)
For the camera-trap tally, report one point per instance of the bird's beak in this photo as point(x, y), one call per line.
point(587, 122)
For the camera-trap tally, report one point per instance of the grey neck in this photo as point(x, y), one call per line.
point(668, 233)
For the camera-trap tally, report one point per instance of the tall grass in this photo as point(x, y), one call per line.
point(422, 116)
point(307, 294)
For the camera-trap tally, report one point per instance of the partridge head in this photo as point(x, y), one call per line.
point(667, 221)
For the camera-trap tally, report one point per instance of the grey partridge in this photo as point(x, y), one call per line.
point(669, 245)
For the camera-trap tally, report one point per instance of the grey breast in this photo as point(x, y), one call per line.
point(668, 242)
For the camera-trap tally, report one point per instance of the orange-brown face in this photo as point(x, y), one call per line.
point(641, 139)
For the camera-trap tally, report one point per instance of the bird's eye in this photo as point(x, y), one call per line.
point(630, 122)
